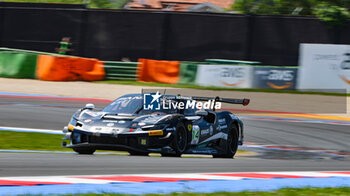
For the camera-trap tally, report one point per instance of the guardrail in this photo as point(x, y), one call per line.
point(118, 70)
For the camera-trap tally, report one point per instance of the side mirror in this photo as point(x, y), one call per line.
point(201, 113)
point(89, 106)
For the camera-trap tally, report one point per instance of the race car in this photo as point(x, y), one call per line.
point(126, 124)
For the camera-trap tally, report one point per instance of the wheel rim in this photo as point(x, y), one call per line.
point(181, 139)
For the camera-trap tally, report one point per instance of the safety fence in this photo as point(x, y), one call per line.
point(117, 70)
point(318, 61)
point(213, 72)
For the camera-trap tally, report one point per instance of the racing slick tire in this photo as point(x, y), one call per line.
point(84, 150)
point(179, 144)
point(231, 144)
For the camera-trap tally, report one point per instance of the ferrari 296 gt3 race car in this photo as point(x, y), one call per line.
point(174, 126)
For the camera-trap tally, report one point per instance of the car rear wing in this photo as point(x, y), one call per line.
point(244, 101)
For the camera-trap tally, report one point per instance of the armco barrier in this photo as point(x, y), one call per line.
point(60, 68)
point(17, 65)
point(116, 70)
point(159, 71)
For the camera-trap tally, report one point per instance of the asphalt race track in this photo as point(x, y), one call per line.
point(31, 113)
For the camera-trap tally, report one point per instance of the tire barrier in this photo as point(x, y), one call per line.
point(158, 71)
point(61, 68)
point(17, 65)
point(117, 70)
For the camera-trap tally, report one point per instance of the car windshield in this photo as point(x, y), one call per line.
point(125, 105)
point(134, 105)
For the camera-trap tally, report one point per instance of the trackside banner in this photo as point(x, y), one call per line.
point(274, 78)
point(324, 66)
point(224, 76)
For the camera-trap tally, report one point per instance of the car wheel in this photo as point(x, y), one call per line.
point(179, 143)
point(231, 144)
point(84, 150)
point(135, 153)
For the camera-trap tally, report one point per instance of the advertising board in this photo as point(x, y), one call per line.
point(274, 78)
point(324, 66)
point(224, 76)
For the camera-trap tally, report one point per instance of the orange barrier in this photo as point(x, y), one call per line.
point(60, 68)
point(158, 71)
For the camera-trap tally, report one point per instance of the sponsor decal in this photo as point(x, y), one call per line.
point(189, 127)
point(110, 124)
point(346, 63)
point(134, 124)
point(232, 73)
point(221, 127)
point(344, 79)
point(232, 84)
point(121, 121)
point(113, 121)
point(142, 123)
point(143, 142)
point(272, 85)
point(115, 132)
point(155, 133)
point(204, 151)
point(91, 113)
point(195, 134)
point(211, 130)
point(171, 129)
point(275, 78)
point(345, 66)
point(87, 120)
point(224, 75)
point(222, 120)
point(106, 130)
point(205, 132)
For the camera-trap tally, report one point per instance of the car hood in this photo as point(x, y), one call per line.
point(92, 121)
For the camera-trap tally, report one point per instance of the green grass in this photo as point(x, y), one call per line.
point(345, 191)
point(31, 141)
point(218, 88)
point(11, 140)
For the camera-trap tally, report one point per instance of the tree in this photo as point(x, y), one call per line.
point(333, 15)
point(333, 12)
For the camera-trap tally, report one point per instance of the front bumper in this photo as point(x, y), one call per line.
point(137, 141)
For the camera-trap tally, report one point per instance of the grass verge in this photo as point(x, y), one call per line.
point(218, 88)
point(343, 191)
point(49, 142)
point(31, 141)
